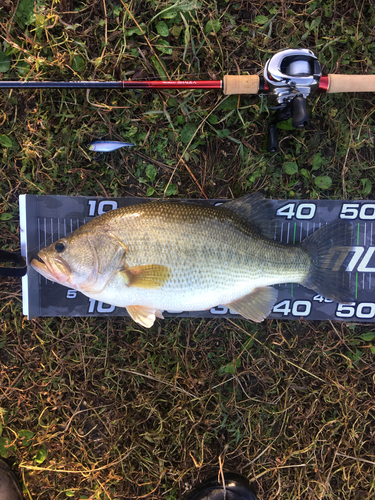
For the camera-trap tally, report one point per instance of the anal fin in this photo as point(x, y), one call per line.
point(256, 305)
point(144, 315)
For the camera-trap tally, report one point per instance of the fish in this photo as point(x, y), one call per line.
point(108, 146)
point(171, 255)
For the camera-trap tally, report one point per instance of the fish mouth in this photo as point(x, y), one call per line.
point(55, 269)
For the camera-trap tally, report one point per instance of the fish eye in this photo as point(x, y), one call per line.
point(59, 247)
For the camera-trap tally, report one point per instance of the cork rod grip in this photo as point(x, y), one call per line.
point(351, 83)
point(245, 84)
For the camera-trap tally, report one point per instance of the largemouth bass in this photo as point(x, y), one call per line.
point(171, 255)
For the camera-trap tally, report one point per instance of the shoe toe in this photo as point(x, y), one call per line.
point(236, 488)
point(9, 487)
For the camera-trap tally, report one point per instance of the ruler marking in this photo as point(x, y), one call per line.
point(45, 237)
point(369, 278)
point(356, 285)
point(39, 236)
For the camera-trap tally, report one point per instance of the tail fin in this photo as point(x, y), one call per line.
point(328, 248)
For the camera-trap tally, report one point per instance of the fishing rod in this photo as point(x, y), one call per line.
point(290, 76)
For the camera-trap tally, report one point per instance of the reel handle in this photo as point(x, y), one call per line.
point(300, 116)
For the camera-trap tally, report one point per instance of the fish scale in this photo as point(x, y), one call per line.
point(215, 250)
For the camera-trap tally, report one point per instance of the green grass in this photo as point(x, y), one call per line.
point(102, 408)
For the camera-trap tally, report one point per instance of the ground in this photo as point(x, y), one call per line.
point(105, 409)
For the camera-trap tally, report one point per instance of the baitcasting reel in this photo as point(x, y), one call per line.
point(291, 75)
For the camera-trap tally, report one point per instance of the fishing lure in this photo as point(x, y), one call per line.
point(108, 146)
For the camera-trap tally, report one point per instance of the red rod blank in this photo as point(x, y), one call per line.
point(168, 84)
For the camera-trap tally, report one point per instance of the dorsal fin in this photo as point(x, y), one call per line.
point(258, 211)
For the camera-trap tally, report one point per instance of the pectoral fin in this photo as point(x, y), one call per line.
point(143, 315)
point(150, 276)
point(256, 305)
